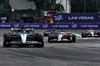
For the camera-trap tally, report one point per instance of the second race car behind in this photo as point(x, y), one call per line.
point(61, 36)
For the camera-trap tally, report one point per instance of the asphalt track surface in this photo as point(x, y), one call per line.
point(85, 52)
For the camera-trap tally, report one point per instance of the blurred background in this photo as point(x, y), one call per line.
point(22, 10)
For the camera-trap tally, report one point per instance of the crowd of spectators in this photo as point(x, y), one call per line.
point(43, 19)
point(46, 19)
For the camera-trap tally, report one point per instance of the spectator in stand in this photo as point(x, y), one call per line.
point(11, 21)
point(21, 21)
point(48, 20)
point(51, 20)
point(14, 21)
point(45, 21)
point(42, 20)
point(3, 21)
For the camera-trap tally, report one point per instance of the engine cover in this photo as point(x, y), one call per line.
point(23, 38)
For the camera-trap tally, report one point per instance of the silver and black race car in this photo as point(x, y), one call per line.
point(22, 37)
point(60, 36)
point(46, 32)
point(90, 33)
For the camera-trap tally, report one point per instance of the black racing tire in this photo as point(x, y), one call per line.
point(41, 45)
point(83, 35)
point(6, 45)
point(40, 39)
point(7, 37)
point(45, 35)
point(68, 36)
point(49, 37)
point(96, 34)
point(49, 41)
point(73, 38)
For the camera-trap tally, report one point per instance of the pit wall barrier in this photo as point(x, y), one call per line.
point(49, 26)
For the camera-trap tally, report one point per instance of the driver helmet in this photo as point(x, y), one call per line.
point(23, 27)
point(23, 31)
point(61, 30)
point(90, 28)
point(54, 29)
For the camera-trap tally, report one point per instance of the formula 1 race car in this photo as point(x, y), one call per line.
point(60, 36)
point(90, 33)
point(22, 37)
point(46, 32)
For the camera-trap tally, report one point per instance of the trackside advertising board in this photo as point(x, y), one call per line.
point(49, 26)
point(77, 17)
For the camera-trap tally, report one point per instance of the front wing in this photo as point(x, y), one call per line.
point(20, 43)
point(62, 40)
point(89, 35)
